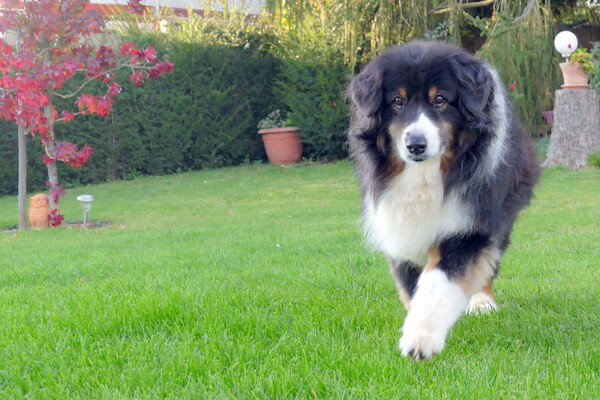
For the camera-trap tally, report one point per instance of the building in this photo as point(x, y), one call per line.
point(200, 6)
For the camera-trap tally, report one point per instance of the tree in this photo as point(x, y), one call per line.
point(55, 44)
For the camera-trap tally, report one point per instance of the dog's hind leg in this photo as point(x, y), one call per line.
point(482, 302)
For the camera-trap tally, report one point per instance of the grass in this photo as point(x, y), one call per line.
point(254, 283)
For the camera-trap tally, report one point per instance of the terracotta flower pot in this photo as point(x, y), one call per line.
point(283, 145)
point(573, 76)
point(39, 210)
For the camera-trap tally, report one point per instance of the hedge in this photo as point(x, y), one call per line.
point(314, 92)
point(202, 115)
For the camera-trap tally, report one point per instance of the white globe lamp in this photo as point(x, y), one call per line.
point(565, 43)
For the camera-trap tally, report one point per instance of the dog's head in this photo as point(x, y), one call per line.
point(423, 99)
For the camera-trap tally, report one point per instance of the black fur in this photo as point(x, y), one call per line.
point(458, 251)
point(407, 274)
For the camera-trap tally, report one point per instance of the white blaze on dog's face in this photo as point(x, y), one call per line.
point(420, 129)
point(419, 141)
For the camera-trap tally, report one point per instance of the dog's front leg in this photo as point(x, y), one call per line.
point(457, 268)
point(435, 307)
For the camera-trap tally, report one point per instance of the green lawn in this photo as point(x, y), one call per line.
point(255, 283)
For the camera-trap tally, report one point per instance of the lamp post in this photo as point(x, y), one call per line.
point(86, 205)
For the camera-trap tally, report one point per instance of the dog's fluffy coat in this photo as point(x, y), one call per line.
point(445, 168)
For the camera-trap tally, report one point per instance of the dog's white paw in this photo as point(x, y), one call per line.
point(435, 307)
point(421, 340)
point(481, 303)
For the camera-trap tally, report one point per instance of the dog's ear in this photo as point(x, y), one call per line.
point(365, 91)
point(476, 89)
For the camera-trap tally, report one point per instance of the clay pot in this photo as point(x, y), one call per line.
point(39, 210)
point(573, 76)
point(283, 145)
point(548, 116)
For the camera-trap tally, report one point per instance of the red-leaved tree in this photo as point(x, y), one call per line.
point(53, 45)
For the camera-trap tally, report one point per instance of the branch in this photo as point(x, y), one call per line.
point(93, 78)
point(464, 5)
point(526, 11)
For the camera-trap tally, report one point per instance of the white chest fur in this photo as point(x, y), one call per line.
point(408, 218)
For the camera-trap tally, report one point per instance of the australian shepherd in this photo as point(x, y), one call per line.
point(445, 167)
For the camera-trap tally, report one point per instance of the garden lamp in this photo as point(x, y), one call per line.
point(86, 205)
point(565, 43)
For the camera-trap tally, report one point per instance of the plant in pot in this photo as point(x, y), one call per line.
point(577, 71)
point(281, 139)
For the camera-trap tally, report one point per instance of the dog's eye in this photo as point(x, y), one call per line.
point(399, 102)
point(439, 101)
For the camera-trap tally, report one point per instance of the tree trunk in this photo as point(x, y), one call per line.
point(22, 179)
point(22, 171)
point(53, 185)
point(53, 198)
point(576, 128)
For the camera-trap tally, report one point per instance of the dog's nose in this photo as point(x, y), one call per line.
point(416, 144)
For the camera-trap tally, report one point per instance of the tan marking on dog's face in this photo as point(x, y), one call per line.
point(395, 132)
point(446, 161)
point(394, 166)
point(448, 133)
point(431, 96)
point(433, 91)
point(402, 92)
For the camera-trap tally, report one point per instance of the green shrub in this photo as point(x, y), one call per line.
point(313, 75)
point(313, 93)
point(594, 160)
point(208, 110)
point(209, 107)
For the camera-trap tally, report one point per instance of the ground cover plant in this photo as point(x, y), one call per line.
point(254, 283)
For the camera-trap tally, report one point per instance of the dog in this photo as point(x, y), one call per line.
point(445, 167)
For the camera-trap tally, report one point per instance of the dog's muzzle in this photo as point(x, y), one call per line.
point(416, 144)
point(420, 140)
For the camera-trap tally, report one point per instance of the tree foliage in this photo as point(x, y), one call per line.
point(54, 44)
